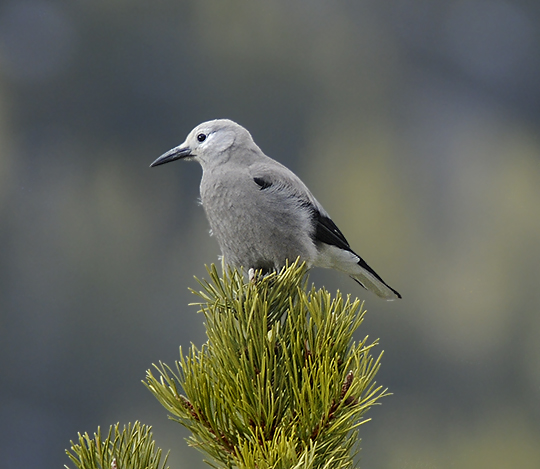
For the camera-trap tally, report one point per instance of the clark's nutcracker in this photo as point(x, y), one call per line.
point(260, 212)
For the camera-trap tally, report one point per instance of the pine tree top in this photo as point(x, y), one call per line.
point(280, 383)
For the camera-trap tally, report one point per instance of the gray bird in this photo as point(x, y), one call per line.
point(260, 212)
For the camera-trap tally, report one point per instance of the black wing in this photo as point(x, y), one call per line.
point(327, 232)
point(262, 183)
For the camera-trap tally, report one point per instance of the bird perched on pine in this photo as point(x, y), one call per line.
point(260, 212)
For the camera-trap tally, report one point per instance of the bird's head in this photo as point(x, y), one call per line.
point(209, 143)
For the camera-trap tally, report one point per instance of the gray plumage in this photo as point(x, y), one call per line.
point(260, 212)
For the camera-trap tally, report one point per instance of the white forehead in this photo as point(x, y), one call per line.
point(214, 137)
point(216, 126)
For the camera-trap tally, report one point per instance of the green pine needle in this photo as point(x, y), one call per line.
point(280, 382)
point(131, 448)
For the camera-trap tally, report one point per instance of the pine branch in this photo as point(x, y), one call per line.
point(280, 382)
point(132, 447)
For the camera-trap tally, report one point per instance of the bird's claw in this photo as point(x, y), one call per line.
point(251, 275)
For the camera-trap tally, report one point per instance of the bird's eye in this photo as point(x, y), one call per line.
point(201, 137)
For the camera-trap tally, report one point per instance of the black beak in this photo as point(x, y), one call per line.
point(174, 154)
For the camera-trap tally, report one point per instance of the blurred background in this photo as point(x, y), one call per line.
point(416, 123)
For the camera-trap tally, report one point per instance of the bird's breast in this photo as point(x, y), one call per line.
point(255, 228)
